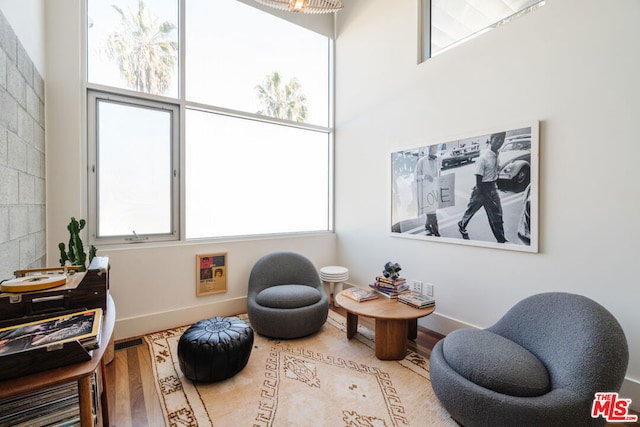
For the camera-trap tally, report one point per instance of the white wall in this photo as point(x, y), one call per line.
point(153, 286)
point(574, 66)
point(27, 20)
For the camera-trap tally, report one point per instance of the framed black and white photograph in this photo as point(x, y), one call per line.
point(479, 189)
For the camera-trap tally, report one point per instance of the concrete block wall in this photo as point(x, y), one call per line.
point(22, 158)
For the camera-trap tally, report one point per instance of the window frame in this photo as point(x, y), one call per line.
point(92, 91)
point(425, 21)
point(93, 98)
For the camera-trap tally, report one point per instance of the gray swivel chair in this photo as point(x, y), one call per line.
point(286, 298)
point(539, 365)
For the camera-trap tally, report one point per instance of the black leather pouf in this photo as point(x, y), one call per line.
point(215, 349)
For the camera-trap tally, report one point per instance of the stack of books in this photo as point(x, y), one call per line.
point(416, 299)
point(390, 288)
point(359, 294)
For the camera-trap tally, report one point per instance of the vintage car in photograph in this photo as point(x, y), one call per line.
point(460, 155)
point(524, 226)
point(514, 163)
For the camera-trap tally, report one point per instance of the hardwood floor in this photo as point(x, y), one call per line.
point(132, 398)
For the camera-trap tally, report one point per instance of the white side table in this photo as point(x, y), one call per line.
point(334, 275)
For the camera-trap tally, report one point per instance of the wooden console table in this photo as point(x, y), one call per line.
point(395, 323)
point(80, 372)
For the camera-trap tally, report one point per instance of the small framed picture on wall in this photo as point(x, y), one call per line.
point(211, 273)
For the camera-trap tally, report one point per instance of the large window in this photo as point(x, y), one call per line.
point(250, 177)
point(447, 23)
point(133, 44)
point(244, 59)
point(251, 118)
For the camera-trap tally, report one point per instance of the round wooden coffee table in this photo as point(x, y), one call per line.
point(395, 323)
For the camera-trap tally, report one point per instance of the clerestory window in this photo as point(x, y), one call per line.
point(447, 23)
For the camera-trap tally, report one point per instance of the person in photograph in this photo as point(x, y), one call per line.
point(205, 273)
point(428, 188)
point(485, 193)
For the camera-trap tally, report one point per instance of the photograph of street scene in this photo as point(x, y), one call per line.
point(480, 190)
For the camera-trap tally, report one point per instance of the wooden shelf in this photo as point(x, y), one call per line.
point(80, 372)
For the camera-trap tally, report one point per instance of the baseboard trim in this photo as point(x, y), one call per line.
point(142, 325)
point(631, 390)
point(443, 324)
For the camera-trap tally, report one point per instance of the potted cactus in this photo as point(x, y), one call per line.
point(75, 255)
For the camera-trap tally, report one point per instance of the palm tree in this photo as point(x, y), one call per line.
point(280, 100)
point(144, 51)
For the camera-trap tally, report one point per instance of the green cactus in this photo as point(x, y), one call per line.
point(76, 255)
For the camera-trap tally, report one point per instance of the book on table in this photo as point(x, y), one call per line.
point(386, 282)
point(389, 292)
point(416, 299)
point(83, 326)
point(359, 294)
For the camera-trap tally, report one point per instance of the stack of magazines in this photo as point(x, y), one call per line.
point(416, 299)
point(388, 287)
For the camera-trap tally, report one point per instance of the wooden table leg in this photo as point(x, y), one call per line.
point(104, 398)
point(84, 396)
point(352, 324)
point(413, 329)
point(391, 339)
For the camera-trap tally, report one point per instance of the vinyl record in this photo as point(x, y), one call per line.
point(33, 283)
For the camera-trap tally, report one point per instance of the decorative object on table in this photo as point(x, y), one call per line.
point(334, 275)
point(359, 294)
point(211, 273)
point(286, 298)
point(390, 284)
point(304, 6)
point(215, 349)
point(540, 364)
point(76, 255)
point(432, 202)
point(416, 299)
point(388, 287)
point(391, 270)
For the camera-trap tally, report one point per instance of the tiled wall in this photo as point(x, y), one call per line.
point(22, 157)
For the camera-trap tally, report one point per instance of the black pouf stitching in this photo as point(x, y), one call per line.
point(215, 349)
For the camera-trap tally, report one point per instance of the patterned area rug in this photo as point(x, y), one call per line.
point(321, 380)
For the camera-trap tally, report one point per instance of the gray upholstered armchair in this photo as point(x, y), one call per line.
point(539, 365)
point(286, 298)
